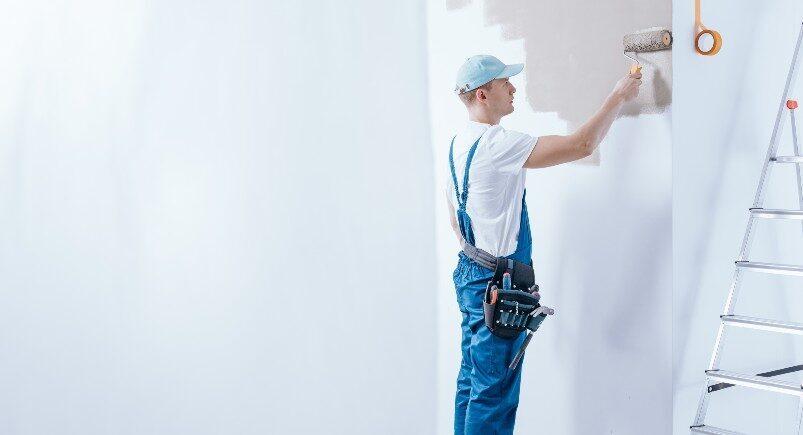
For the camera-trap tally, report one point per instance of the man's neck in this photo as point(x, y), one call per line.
point(483, 118)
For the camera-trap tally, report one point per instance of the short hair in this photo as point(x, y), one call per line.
point(468, 97)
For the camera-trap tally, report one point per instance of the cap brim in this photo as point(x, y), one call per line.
point(510, 70)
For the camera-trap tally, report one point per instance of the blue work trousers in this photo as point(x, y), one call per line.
point(487, 391)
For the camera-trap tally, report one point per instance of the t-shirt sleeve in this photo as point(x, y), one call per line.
point(509, 149)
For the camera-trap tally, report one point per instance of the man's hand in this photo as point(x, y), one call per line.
point(627, 87)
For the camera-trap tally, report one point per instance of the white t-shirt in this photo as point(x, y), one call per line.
point(496, 183)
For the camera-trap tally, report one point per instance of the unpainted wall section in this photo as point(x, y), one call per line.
point(211, 221)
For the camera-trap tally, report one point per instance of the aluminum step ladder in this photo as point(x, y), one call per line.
point(716, 378)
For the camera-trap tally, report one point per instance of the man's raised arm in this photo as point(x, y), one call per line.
point(554, 150)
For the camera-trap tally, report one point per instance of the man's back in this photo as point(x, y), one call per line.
point(496, 183)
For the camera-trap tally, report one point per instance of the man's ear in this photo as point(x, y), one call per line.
point(480, 94)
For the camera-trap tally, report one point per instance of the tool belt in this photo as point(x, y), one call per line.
point(511, 304)
point(522, 274)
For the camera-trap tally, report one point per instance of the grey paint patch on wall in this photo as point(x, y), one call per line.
point(456, 4)
point(573, 52)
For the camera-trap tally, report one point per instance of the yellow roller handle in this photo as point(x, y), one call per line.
point(701, 30)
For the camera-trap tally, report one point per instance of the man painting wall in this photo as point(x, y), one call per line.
point(488, 212)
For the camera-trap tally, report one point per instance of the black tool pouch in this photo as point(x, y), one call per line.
point(521, 274)
point(508, 312)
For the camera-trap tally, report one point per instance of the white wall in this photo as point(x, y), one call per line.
point(724, 110)
point(216, 218)
point(602, 242)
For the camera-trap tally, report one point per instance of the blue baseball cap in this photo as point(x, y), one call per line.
point(481, 69)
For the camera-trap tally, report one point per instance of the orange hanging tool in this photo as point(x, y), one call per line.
point(701, 30)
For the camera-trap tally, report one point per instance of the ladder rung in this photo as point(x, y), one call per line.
point(788, 159)
point(779, 269)
point(768, 213)
point(764, 324)
point(757, 382)
point(711, 430)
point(769, 374)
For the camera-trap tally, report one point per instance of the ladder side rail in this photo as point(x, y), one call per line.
point(778, 128)
point(796, 147)
point(799, 424)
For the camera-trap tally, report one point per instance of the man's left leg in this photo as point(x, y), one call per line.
point(463, 394)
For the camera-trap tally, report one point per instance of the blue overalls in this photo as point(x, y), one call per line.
point(487, 391)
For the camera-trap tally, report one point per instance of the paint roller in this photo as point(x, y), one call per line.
point(645, 41)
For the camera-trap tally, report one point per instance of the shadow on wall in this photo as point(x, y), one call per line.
point(573, 52)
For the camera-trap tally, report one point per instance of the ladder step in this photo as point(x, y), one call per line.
point(767, 213)
point(769, 374)
point(779, 269)
point(711, 430)
point(763, 324)
point(757, 382)
point(788, 159)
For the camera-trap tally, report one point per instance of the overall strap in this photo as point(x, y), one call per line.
point(462, 197)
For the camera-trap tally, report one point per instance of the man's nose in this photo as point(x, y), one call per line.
point(512, 89)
